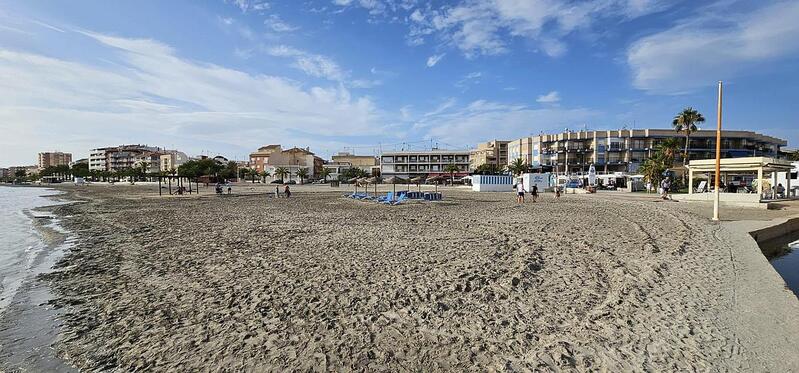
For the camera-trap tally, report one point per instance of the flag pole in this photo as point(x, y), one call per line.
point(718, 159)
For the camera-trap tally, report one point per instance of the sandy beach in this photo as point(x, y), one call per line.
point(320, 282)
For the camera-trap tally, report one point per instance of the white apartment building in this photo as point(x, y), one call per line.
point(410, 164)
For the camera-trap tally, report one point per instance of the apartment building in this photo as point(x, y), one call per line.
point(293, 160)
point(493, 152)
point(171, 160)
point(52, 159)
point(124, 157)
point(624, 150)
point(410, 164)
point(260, 158)
point(5, 173)
point(341, 162)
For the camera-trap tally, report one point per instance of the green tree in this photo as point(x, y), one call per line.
point(794, 156)
point(264, 174)
point(324, 173)
point(281, 173)
point(685, 122)
point(489, 169)
point(517, 167)
point(20, 174)
point(353, 172)
point(668, 150)
point(302, 173)
point(451, 169)
point(80, 170)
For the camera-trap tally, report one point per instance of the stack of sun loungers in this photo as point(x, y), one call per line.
point(397, 198)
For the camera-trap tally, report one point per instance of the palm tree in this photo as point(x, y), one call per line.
point(686, 122)
point(517, 167)
point(264, 175)
point(668, 148)
point(281, 172)
point(324, 173)
point(302, 173)
point(451, 169)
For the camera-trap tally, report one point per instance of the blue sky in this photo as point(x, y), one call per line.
point(360, 75)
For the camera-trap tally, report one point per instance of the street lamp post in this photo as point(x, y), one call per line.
point(718, 159)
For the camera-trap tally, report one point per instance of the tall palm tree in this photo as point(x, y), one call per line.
point(264, 175)
point(451, 169)
point(517, 167)
point(302, 174)
point(281, 172)
point(685, 122)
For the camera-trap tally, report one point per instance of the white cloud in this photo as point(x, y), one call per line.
point(250, 5)
point(278, 25)
point(484, 27)
point(147, 93)
point(481, 119)
point(549, 98)
point(706, 48)
point(433, 60)
point(312, 64)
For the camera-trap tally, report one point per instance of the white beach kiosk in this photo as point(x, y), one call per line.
point(764, 185)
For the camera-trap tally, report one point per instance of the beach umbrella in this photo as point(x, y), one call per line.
point(394, 180)
point(436, 179)
point(372, 180)
point(418, 181)
point(354, 181)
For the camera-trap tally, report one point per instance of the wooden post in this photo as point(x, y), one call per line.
point(718, 159)
point(159, 185)
point(169, 182)
point(690, 181)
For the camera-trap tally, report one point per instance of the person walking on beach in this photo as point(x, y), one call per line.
point(287, 191)
point(520, 192)
point(534, 192)
point(557, 192)
point(665, 186)
point(277, 191)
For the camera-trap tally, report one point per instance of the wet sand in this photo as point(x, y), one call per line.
point(251, 283)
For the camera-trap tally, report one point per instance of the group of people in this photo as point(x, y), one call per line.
point(520, 190)
point(286, 191)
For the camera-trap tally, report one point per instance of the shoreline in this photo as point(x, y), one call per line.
point(183, 278)
point(29, 325)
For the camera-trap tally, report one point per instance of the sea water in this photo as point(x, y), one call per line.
point(28, 325)
point(22, 247)
point(787, 265)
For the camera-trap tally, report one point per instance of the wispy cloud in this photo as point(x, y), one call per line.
point(486, 27)
point(312, 64)
point(275, 23)
point(482, 119)
point(250, 5)
point(433, 60)
point(150, 94)
point(549, 98)
point(707, 47)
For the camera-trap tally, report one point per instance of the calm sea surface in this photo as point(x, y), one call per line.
point(788, 265)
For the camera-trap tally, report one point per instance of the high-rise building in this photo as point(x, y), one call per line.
point(52, 159)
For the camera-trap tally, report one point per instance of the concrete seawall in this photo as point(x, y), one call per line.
point(777, 228)
point(766, 311)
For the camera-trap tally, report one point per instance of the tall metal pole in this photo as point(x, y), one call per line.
point(718, 159)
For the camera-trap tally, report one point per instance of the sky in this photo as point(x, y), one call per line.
point(228, 76)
